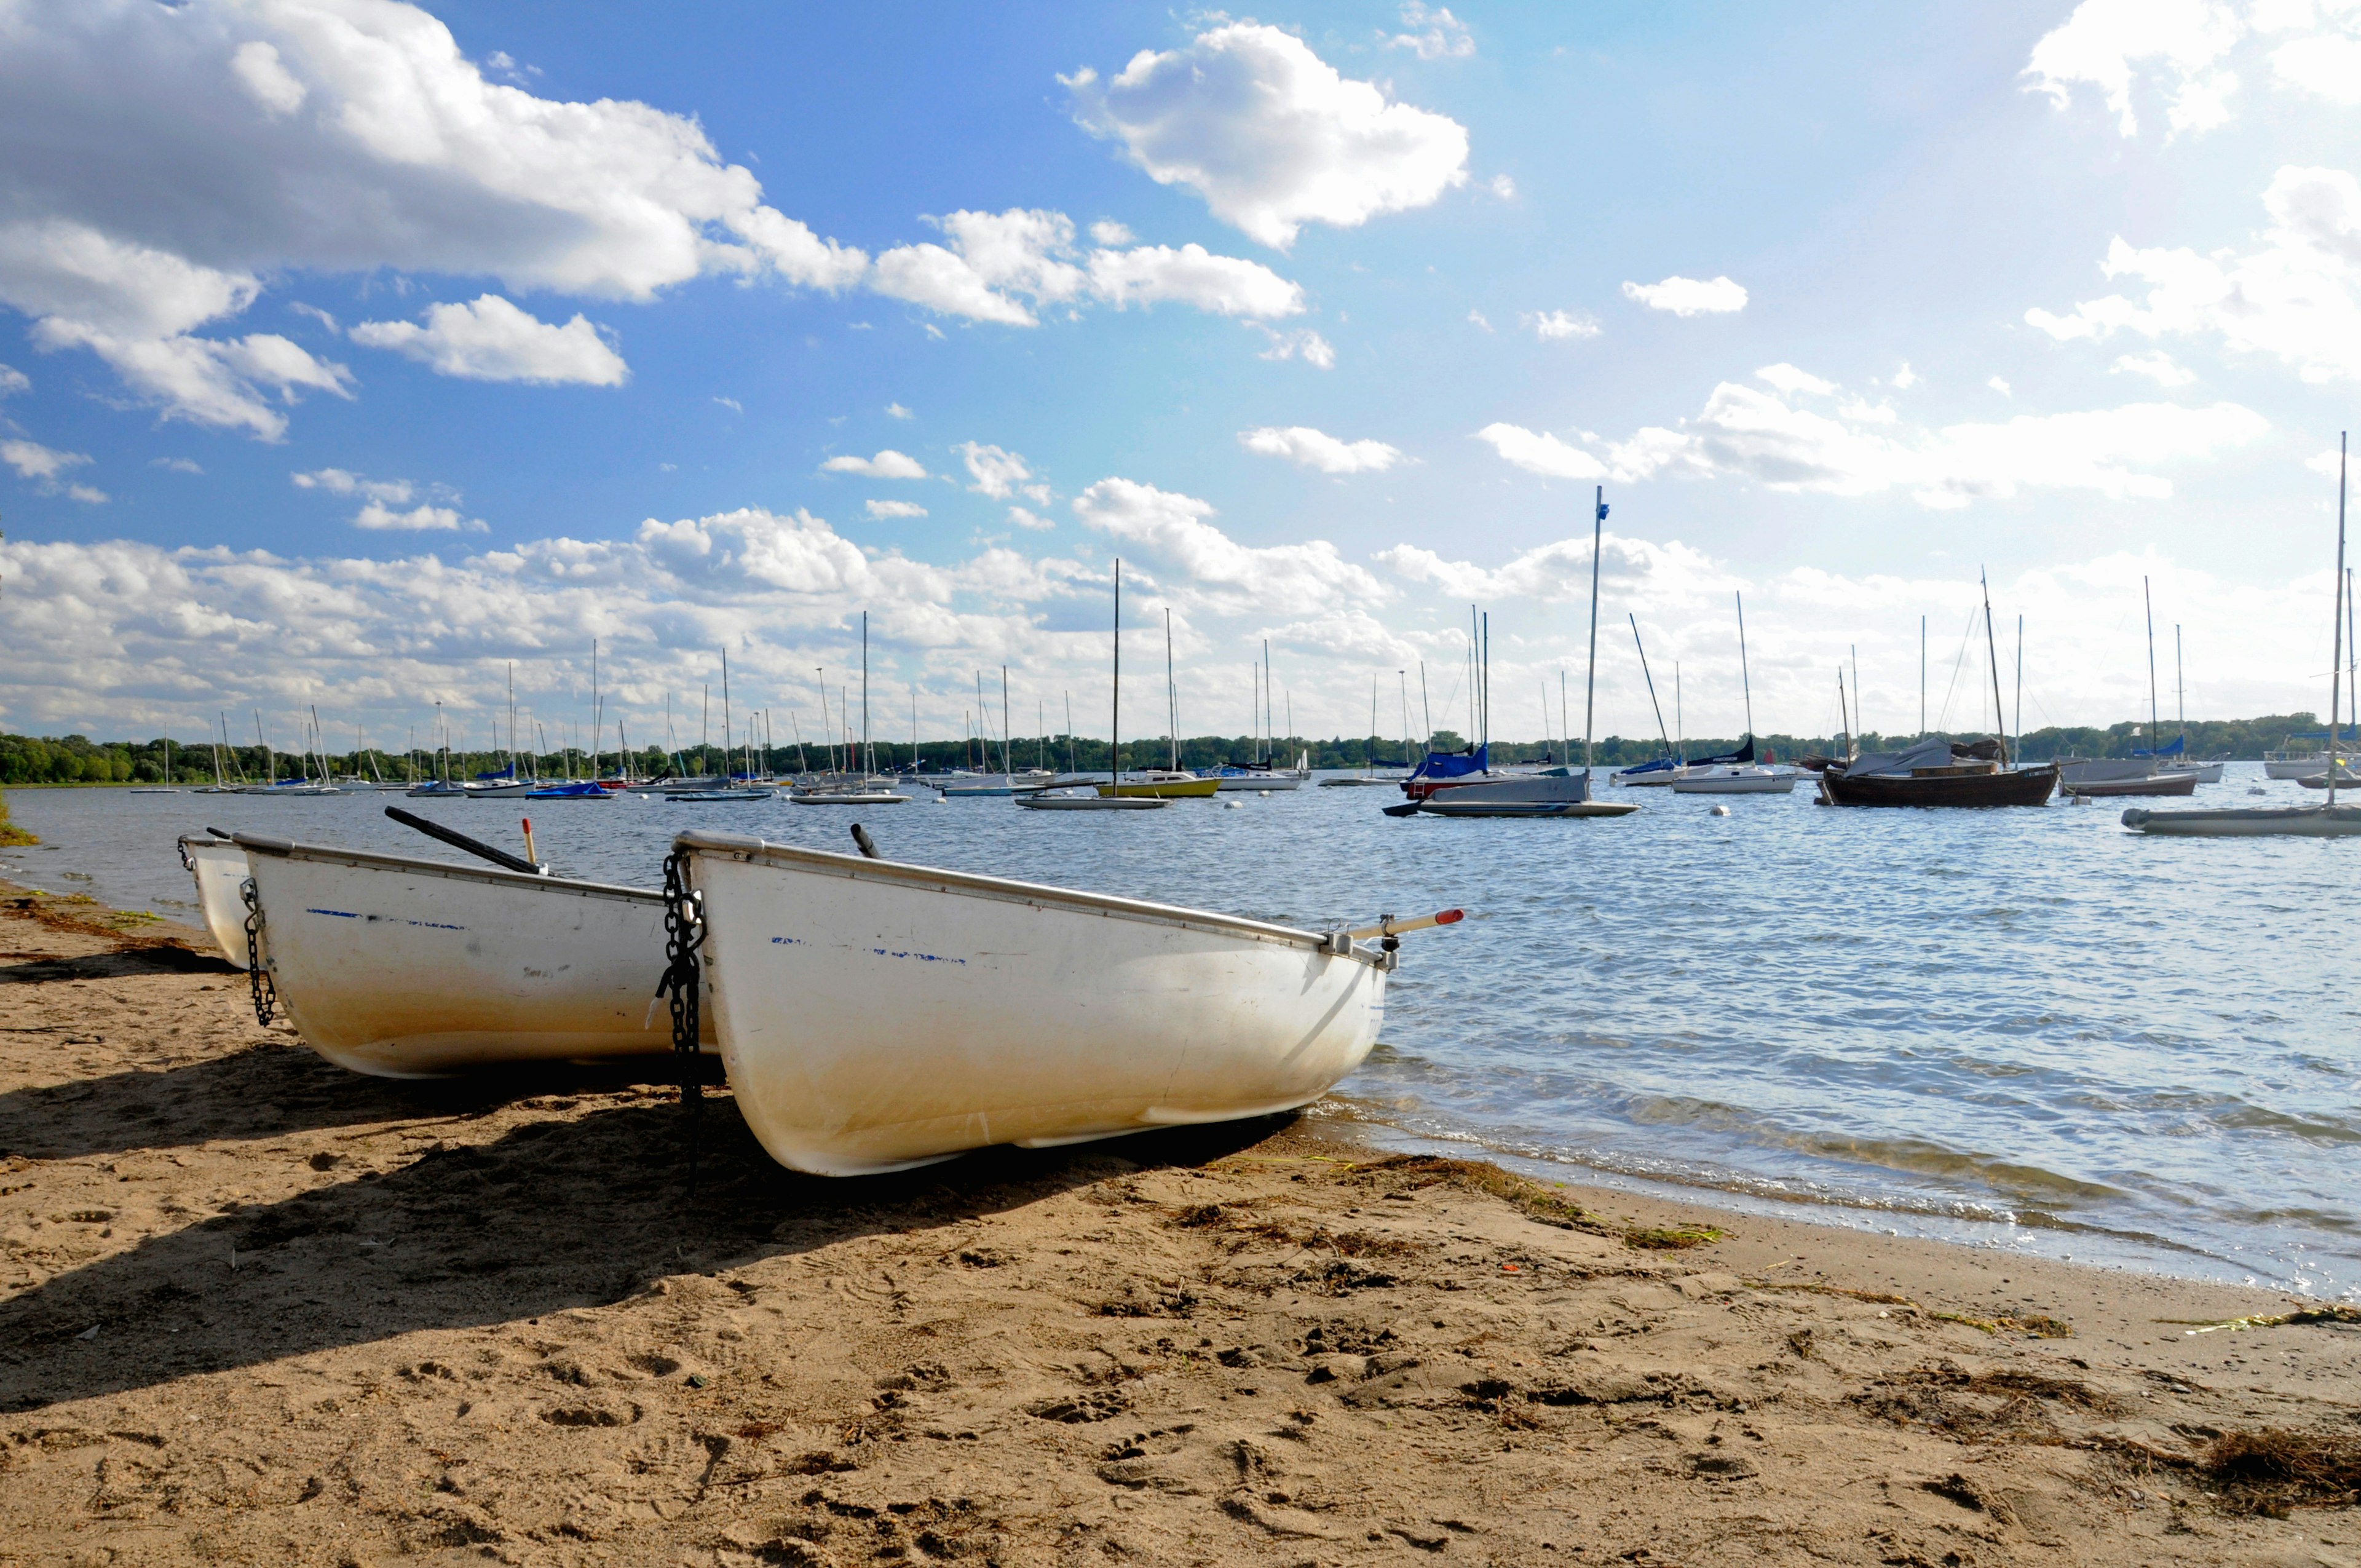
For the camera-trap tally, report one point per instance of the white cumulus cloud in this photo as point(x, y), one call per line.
point(1439, 34)
point(1550, 326)
point(887, 465)
point(34, 461)
point(1856, 449)
point(168, 158)
point(2104, 40)
point(1309, 448)
point(1301, 344)
point(492, 340)
point(13, 381)
point(894, 508)
point(1000, 474)
point(379, 517)
point(1690, 296)
point(1214, 571)
point(1005, 266)
point(1271, 135)
point(344, 482)
point(2297, 298)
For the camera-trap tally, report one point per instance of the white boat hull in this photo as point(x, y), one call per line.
point(2207, 773)
point(1747, 781)
point(2286, 822)
point(403, 968)
point(219, 867)
point(875, 1016)
point(1257, 782)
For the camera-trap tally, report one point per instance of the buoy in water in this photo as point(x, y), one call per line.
point(1718, 811)
point(1264, 793)
point(1233, 806)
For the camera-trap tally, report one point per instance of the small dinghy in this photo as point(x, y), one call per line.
point(875, 1015)
point(219, 867)
point(403, 968)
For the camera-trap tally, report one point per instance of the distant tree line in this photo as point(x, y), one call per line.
point(76, 759)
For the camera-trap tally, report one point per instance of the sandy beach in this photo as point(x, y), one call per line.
point(254, 1309)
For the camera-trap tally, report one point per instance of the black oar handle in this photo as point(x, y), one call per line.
point(459, 840)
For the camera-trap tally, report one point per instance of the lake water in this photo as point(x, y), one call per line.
point(2026, 1030)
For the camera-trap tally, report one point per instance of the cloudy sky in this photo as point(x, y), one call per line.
point(350, 351)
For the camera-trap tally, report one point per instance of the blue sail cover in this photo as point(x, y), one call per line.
point(1455, 764)
point(2180, 744)
point(507, 772)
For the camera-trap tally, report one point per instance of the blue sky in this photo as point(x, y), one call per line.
point(358, 350)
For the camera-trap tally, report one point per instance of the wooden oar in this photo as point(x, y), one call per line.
point(458, 840)
point(1390, 926)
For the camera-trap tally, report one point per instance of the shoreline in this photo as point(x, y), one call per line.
point(255, 1306)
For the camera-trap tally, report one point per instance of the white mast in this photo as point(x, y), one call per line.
point(1591, 683)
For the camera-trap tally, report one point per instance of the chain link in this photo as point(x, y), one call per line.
point(257, 979)
point(684, 937)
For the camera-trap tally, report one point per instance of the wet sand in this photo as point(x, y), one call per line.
point(256, 1309)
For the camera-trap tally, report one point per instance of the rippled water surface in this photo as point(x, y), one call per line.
point(2024, 1027)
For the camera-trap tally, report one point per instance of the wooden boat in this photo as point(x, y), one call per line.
point(875, 1015)
point(1961, 784)
point(218, 867)
point(405, 968)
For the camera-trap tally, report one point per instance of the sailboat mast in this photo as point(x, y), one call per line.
point(1171, 693)
point(1650, 679)
point(1590, 682)
point(1115, 714)
point(869, 750)
point(2019, 724)
point(1922, 675)
point(1007, 764)
point(2148, 600)
point(1745, 680)
point(1425, 707)
point(2336, 658)
point(1992, 647)
point(726, 728)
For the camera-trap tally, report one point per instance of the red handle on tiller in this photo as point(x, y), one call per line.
point(1390, 926)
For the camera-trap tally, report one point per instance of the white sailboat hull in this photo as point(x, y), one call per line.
point(219, 867)
point(2206, 773)
point(2262, 822)
point(1257, 781)
point(1736, 781)
point(877, 1016)
point(403, 968)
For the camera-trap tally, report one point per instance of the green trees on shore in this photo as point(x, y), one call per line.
point(76, 759)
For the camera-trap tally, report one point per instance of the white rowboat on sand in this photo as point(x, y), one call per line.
point(875, 1016)
point(219, 867)
point(403, 968)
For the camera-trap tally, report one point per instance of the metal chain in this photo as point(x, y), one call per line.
point(684, 936)
point(257, 979)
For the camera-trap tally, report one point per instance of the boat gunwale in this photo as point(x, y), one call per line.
point(1005, 890)
point(377, 860)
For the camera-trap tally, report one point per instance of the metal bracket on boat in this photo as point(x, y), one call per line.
point(257, 979)
point(1337, 943)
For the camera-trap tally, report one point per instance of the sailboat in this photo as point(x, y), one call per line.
point(1110, 795)
point(1664, 768)
point(2326, 820)
point(2143, 772)
point(1368, 773)
point(1936, 773)
point(1739, 774)
point(964, 784)
point(1442, 786)
point(1262, 774)
point(867, 788)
